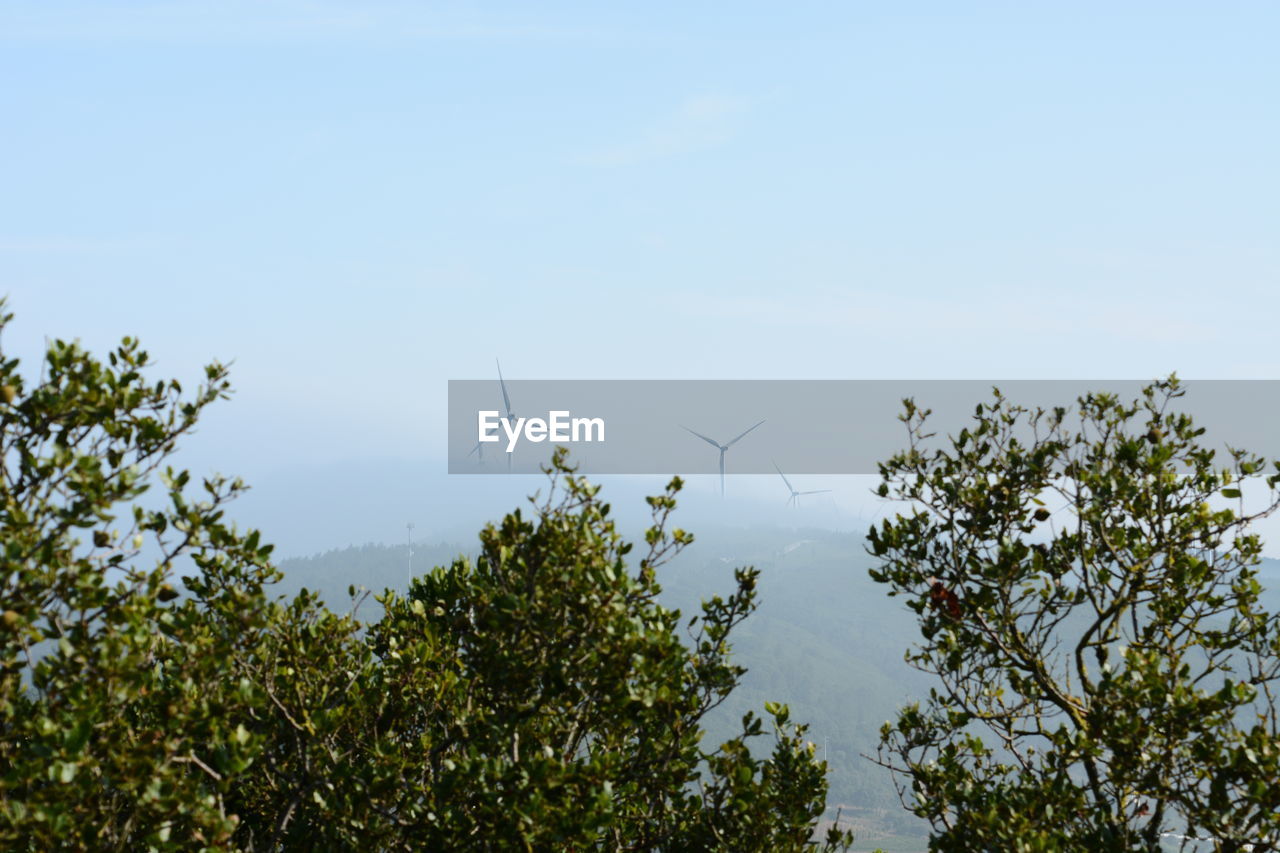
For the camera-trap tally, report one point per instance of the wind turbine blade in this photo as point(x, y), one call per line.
point(722, 450)
point(815, 492)
point(783, 476)
point(710, 441)
point(506, 401)
point(740, 437)
point(479, 447)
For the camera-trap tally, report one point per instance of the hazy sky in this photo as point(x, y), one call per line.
point(359, 201)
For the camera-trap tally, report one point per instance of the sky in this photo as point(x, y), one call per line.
point(355, 202)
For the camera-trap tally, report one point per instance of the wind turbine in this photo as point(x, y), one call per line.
point(478, 450)
point(506, 405)
point(721, 447)
point(795, 496)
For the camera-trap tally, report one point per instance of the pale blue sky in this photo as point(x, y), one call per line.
point(359, 201)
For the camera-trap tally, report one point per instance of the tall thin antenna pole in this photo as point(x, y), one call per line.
point(410, 527)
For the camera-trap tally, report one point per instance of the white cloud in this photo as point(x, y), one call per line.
point(261, 20)
point(70, 245)
point(962, 314)
point(698, 124)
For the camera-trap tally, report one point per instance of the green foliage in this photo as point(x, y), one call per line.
point(821, 637)
point(538, 697)
point(1107, 672)
point(106, 725)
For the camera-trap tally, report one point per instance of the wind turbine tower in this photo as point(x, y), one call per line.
point(410, 528)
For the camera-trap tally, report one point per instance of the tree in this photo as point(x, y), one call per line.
point(154, 694)
point(1088, 601)
point(537, 698)
point(120, 726)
